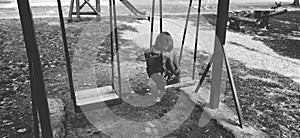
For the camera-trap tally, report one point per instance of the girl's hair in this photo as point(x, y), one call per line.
point(164, 42)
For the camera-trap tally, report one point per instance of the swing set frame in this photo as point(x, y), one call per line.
point(40, 107)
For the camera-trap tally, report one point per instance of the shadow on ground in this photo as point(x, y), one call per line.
point(269, 101)
point(283, 35)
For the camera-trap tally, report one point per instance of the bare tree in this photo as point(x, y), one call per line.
point(296, 2)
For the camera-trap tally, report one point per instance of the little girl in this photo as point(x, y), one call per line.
point(162, 62)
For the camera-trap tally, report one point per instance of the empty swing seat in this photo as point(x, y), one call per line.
point(97, 98)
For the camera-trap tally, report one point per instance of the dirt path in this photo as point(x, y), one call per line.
point(244, 48)
point(257, 55)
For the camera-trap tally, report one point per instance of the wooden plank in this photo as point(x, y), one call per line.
point(94, 96)
point(243, 19)
point(100, 105)
point(98, 99)
point(85, 13)
point(94, 92)
point(184, 82)
point(97, 95)
point(275, 13)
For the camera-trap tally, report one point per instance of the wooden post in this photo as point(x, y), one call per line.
point(117, 46)
point(37, 85)
point(71, 10)
point(296, 2)
point(222, 14)
point(217, 59)
point(78, 10)
point(111, 43)
point(98, 8)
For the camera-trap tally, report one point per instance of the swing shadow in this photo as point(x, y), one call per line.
point(260, 91)
point(264, 53)
point(191, 124)
point(282, 35)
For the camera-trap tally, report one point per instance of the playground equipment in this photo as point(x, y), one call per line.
point(277, 6)
point(94, 98)
point(217, 60)
point(258, 18)
point(107, 93)
point(97, 11)
point(135, 11)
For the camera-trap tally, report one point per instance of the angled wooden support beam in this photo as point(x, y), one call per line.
point(38, 94)
point(82, 5)
point(204, 75)
point(96, 11)
point(91, 6)
point(233, 89)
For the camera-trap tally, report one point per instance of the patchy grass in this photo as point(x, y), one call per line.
point(269, 100)
point(15, 107)
point(282, 35)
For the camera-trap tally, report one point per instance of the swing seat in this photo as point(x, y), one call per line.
point(97, 98)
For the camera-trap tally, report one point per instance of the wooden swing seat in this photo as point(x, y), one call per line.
point(97, 98)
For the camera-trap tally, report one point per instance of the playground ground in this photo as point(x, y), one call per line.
point(265, 65)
